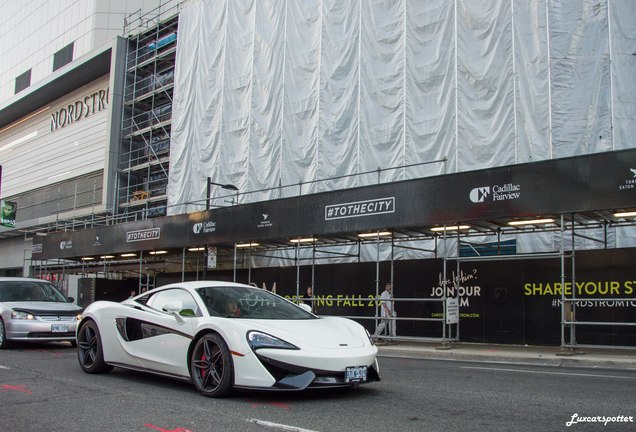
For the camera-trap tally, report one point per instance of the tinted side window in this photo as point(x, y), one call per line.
point(160, 299)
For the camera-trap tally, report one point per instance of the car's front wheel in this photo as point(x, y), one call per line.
point(4, 343)
point(211, 366)
point(90, 351)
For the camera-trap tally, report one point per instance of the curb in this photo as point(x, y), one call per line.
point(530, 358)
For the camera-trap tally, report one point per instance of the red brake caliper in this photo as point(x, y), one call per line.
point(203, 360)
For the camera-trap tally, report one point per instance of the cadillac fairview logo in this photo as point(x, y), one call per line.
point(204, 227)
point(505, 192)
point(479, 194)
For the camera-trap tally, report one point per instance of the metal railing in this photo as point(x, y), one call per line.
point(137, 22)
point(569, 321)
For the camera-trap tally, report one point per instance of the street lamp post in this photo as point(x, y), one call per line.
point(208, 194)
point(208, 190)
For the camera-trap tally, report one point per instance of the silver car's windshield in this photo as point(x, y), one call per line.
point(14, 291)
point(252, 303)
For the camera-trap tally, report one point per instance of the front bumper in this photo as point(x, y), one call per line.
point(294, 377)
point(40, 330)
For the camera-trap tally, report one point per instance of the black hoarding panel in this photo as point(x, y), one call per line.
point(86, 291)
point(115, 290)
point(512, 302)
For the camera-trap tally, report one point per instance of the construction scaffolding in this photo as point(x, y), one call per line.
point(147, 119)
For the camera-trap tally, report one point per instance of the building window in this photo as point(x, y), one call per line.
point(23, 81)
point(63, 57)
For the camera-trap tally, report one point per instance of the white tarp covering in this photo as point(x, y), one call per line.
point(271, 93)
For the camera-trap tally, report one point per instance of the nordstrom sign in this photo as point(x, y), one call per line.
point(90, 104)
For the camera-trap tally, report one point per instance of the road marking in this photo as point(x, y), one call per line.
point(274, 404)
point(166, 430)
point(280, 426)
point(4, 367)
point(19, 388)
point(548, 373)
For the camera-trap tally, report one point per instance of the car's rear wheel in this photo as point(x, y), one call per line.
point(90, 352)
point(4, 343)
point(211, 366)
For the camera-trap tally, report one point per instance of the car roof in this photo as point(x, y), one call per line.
point(204, 283)
point(21, 279)
point(192, 285)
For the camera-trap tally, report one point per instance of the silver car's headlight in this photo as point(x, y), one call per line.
point(19, 315)
point(257, 339)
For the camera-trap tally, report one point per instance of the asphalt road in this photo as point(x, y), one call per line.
point(43, 389)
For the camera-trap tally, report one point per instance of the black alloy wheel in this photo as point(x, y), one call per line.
point(211, 366)
point(89, 349)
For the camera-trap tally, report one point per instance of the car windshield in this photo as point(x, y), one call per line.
point(251, 303)
point(29, 291)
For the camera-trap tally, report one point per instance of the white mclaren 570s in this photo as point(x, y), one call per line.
point(223, 336)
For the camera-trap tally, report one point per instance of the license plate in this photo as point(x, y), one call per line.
point(358, 373)
point(59, 328)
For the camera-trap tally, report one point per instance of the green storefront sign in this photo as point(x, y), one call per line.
point(7, 215)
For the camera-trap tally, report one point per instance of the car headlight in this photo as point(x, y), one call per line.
point(257, 340)
point(78, 317)
point(19, 315)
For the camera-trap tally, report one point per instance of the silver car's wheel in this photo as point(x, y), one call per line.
point(89, 349)
point(211, 366)
point(4, 343)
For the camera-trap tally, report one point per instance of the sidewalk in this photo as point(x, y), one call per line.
point(518, 354)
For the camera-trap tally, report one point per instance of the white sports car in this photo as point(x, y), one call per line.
point(221, 336)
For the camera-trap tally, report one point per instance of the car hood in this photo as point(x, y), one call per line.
point(45, 307)
point(324, 333)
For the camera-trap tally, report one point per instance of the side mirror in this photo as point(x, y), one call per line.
point(173, 308)
point(70, 299)
point(305, 306)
